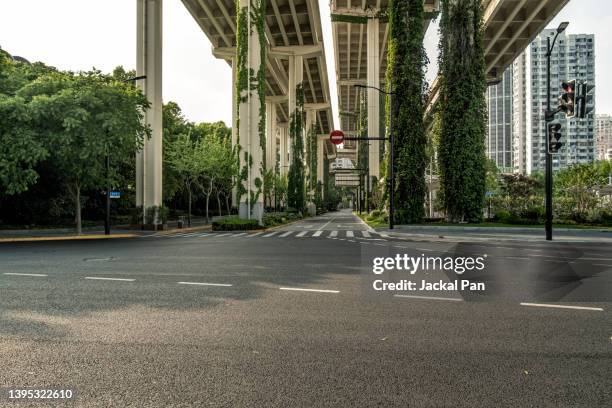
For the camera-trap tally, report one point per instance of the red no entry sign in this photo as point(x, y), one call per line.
point(336, 137)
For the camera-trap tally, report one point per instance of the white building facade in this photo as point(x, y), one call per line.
point(603, 131)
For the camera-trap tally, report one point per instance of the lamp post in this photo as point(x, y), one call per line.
point(391, 167)
point(550, 118)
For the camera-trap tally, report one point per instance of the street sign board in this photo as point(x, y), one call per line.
point(115, 194)
point(336, 137)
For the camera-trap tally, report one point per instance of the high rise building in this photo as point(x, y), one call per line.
point(603, 132)
point(499, 129)
point(573, 57)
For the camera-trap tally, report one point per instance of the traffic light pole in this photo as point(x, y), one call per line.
point(549, 176)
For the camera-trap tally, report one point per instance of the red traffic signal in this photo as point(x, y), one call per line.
point(336, 137)
point(567, 100)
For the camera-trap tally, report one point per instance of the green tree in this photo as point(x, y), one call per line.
point(185, 158)
point(21, 148)
point(405, 74)
point(83, 117)
point(463, 109)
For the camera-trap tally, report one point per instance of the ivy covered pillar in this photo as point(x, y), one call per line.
point(271, 135)
point(234, 122)
point(296, 189)
point(373, 102)
point(321, 140)
point(250, 92)
point(149, 64)
point(284, 147)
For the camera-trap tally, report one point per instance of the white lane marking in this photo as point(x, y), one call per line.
point(333, 234)
point(430, 298)
point(38, 275)
point(205, 284)
point(317, 233)
point(427, 249)
point(311, 290)
point(365, 234)
point(301, 234)
point(256, 234)
point(349, 234)
point(270, 234)
point(286, 234)
point(597, 309)
point(326, 224)
point(109, 279)
point(224, 235)
point(203, 235)
point(238, 235)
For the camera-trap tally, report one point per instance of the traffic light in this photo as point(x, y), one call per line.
point(554, 138)
point(567, 100)
point(583, 99)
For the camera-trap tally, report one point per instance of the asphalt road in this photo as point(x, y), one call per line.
point(289, 318)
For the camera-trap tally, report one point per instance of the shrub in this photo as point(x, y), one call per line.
point(235, 224)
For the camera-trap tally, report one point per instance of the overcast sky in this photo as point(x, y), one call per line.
point(81, 34)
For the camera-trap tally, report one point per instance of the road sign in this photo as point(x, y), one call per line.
point(336, 137)
point(115, 194)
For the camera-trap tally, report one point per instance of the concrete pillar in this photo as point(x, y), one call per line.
point(320, 157)
point(296, 77)
point(248, 112)
point(270, 135)
point(234, 122)
point(149, 63)
point(284, 148)
point(311, 121)
point(373, 78)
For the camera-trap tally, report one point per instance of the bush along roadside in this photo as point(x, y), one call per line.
point(241, 224)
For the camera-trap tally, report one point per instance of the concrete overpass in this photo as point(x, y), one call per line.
point(360, 47)
point(283, 42)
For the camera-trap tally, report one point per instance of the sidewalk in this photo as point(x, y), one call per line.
point(535, 234)
point(97, 232)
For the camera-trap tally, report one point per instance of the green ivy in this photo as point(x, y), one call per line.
point(296, 194)
point(248, 81)
point(405, 74)
point(463, 110)
point(312, 155)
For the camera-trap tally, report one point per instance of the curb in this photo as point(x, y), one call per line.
point(67, 238)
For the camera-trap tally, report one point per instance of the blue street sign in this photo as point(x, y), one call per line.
point(115, 194)
point(488, 193)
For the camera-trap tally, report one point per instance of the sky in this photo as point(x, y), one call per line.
point(81, 34)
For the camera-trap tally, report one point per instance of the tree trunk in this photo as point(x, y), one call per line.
point(219, 203)
point(227, 206)
point(189, 208)
point(77, 208)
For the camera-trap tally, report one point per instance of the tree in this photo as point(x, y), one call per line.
point(576, 188)
point(83, 118)
point(405, 74)
point(186, 159)
point(21, 148)
point(215, 158)
point(463, 110)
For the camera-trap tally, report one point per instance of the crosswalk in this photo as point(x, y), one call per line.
point(329, 234)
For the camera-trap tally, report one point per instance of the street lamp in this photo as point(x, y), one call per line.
point(391, 153)
point(107, 222)
point(549, 118)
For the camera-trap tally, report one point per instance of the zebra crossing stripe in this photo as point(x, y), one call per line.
point(286, 234)
point(349, 234)
point(333, 234)
point(270, 234)
point(224, 235)
point(238, 235)
point(365, 234)
point(301, 234)
point(317, 233)
point(255, 234)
